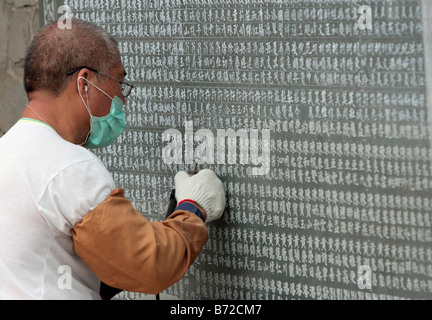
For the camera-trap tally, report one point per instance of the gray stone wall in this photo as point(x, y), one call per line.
point(19, 22)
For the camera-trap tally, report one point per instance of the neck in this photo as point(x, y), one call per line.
point(56, 112)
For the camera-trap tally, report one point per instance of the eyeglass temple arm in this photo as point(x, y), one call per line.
point(79, 68)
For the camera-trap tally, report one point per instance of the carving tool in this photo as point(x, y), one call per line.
point(173, 201)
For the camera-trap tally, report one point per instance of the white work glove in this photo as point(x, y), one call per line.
point(205, 189)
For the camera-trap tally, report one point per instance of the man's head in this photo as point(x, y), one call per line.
point(62, 95)
point(54, 51)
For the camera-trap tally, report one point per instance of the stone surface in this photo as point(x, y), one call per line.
point(19, 22)
point(25, 3)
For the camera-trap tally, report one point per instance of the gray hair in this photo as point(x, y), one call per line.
point(53, 52)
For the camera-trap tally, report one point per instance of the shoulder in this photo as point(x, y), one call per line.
point(29, 137)
point(54, 153)
point(61, 165)
point(78, 167)
point(74, 189)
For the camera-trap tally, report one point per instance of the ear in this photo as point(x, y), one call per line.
point(82, 84)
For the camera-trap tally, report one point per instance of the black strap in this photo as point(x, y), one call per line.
point(107, 292)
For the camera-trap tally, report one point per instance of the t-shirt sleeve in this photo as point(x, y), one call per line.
point(73, 193)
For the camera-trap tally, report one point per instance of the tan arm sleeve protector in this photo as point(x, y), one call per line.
point(128, 252)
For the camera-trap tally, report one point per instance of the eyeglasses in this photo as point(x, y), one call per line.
point(126, 88)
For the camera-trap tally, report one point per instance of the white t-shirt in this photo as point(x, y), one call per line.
point(47, 185)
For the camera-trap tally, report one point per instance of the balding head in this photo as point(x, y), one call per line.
point(54, 51)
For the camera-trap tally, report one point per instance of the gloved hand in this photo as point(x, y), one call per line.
point(205, 189)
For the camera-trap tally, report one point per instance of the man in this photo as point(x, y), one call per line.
point(60, 212)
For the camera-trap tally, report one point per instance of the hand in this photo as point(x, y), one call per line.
point(205, 189)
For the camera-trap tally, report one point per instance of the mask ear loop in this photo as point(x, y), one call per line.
point(87, 107)
point(96, 87)
point(79, 92)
